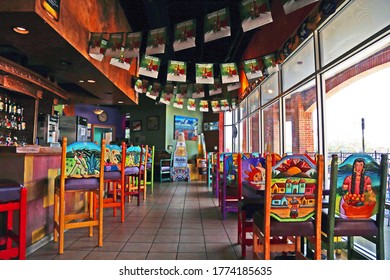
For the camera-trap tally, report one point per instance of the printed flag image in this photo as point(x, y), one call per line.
point(178, 102)
point(182, 90)
point(290, 6)
point(269, 62)
point(121, 61)
point(204, 73)
point(198, 91)
point(184, 35)
point(149, 66)
point(217, 25)
point(132, 44)
point(138, 86)
point(203, 106)
point(252, 69)
point(224, 105)
point(216, 88)
point(215, 106)
point(177, 71)
point(254, 13)
point(191, 104)
point(153, 91)
point(229, 73)
point(97, 46)
point(114, 45)
point(233, 86)
point(156, 41)
point(167, 94)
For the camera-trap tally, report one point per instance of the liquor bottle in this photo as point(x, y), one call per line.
point(18, 110)
point(180, 154)
point(1, 104)
point(6, 104)
point(10, 107)
point(23, 124)
point(14, 107)
point(201, 157)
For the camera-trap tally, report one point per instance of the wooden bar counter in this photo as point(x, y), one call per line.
point(36, 167)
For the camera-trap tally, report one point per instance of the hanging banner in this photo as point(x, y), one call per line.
point(138, 86)
point(233, 103)
point(198, 91)
point(132, 44)
point(114, 45)
point(215, 106)
point(270, 65)
point(167, 94)
point(254, 13)
point(97, 46)
point(217, 25)
point(233, 86)
point(252, 69)
point(203, 105)
point(156, 41)
point(178, 102)
point(177, 71)
point(153, 91)
point(121, 61)
point(184, 35)
point(216, 88)
point(182, 90)
point(149, 66)
point(229, 73)
point(224, 105)
point(204, 73)
point(191, 104)
point(290, 6)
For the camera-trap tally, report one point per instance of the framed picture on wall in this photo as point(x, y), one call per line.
point(152, 122)
point(188, 125)
point(136, 125)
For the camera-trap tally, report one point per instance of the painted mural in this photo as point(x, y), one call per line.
point(82, 159)
point(358, 183)
point(293, 188)
point(133, 154)
point(112, 158)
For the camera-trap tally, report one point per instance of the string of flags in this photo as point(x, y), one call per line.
point(121, 47)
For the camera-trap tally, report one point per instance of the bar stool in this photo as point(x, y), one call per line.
point(13, 197)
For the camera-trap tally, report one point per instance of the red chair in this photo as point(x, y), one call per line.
point(13, 197)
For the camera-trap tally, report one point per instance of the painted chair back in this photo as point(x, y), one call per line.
point(112, 158)
point(133, 154)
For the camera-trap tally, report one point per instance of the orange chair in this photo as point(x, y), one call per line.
point(82, 171)
point(114, 178)
point(13, 197)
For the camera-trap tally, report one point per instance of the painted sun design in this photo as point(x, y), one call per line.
point(294, 166)
point(256, 174)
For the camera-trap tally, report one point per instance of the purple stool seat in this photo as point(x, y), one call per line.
point(131, 170)
point(112, 175)
point(91, 183)
point(9, 190)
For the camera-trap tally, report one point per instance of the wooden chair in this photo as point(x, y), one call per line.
point(292, 207)
point(230, 190)
point(13, 197)
point(165, 169)
point(358, 211)
point(82, 171)
point(135, 172)
point(114, 178)
point(150, 169)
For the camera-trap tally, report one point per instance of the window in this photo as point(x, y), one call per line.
point(253, 131)
point(269, 89)
point(271, 129)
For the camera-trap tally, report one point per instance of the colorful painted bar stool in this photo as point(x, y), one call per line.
point(13, 197)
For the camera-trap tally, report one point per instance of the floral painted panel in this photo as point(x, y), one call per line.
point(82, 160)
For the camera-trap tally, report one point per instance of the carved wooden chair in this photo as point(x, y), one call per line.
point(114, 178)
point(356, 206)
point(82, 171)
point(292, 207)
point(230, 190)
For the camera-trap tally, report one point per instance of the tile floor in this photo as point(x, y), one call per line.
point(179, 221)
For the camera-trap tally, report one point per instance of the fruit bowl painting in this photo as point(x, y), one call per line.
point(358, 212)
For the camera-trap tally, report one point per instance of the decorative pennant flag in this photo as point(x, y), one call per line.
point(198, 91)
point(216, 88)
point(178, 102)
point(191, 104)
point(233, 86)
point(132, 44)
point(270, 65)
point(138, 86)
point(204, 73)
point(177, 71)
point(121, 61)
point(290, 6)
point(156, 41)
point(167, 94)
point(229, 73)
point(149, 66)
point(233, 103)
point(217, 25)
point(153, 91)
point(97, 46)
point(252, 69)
point(215, 106)
point(184, 35)
point(145, 85)
point(182, 90)
point(224, 105)
point(203, 106)
point(114, 45)
point(254, 13)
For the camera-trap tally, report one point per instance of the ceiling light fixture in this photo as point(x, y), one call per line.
point(20, 30)
point(97, 110)
point(120, 102)
point(91, 81)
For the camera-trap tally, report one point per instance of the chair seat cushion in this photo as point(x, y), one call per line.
point(165, 168)
point(231, 191)
point(350, 227)
point(131, 170)
point(87, 184)
point(306, 228)
point(112, 175)
point(9, 190)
